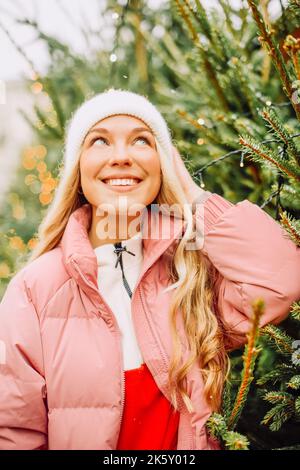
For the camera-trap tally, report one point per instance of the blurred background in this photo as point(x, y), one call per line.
point(226, 76)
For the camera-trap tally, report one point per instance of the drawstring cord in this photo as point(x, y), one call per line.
point(119, 252)
point(119, 249)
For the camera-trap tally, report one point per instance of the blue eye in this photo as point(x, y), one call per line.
point(142, 138)
point(138, 138)
point(98, 138)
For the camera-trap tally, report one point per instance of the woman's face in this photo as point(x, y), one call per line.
point(120, 147)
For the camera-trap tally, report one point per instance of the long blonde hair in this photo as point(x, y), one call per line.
point(192, 277)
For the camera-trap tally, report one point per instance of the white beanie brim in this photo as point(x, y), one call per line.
point(109, 103)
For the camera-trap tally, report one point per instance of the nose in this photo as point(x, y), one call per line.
point(120, 156)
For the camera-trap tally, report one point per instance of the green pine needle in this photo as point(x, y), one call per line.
point(262, 154)
point(278, 339)
point(280, 133)
point(294, 382)
point(295, 310)
point(236, 441)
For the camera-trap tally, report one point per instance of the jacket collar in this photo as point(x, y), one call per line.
point(159, 231)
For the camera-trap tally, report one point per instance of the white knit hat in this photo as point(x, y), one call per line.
point(111, 102)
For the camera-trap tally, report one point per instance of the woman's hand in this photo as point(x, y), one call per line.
point(191, 189)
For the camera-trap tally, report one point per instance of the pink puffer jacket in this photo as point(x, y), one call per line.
point(61, 377)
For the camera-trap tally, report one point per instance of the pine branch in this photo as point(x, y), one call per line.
point(295, 310)
point(217, 428)
point(279, 413)
point(236, 441)
point(294, 382)
point(221, 48)
point(204, 130)
point(157, 48)
point(278, 338)
point(224, 45)
point(182, 12)
point(292, 47)
point(245, 86)
point(297, 406)
point(227, 12)
point(278, 397)
point(294, 447)
point(226, 400)
point(290, 198)
point(51, 90)
point(285, 404)
point(292, 226)
point(266, 38)
point(57, 134)
point(279, 373)
point(211, 74)
point(220, 425)
point(202, 18)
point(259, 152)
point(249, 357)
point(294, 5)
point(269, 199)
point(278, 130)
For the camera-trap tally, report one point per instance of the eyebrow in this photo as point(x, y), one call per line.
point(106, 131)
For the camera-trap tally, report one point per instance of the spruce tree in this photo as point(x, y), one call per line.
point(227, 81)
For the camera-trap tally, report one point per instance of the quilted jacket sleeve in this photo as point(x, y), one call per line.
point(23, 415)
point(254, 257)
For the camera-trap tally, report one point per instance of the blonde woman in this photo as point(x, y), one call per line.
point(115, 335)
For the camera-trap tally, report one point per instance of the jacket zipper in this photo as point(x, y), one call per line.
point(164, 356)
point(119, 335)
point(162, 352)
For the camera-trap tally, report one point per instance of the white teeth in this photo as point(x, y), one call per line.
point(121, 182)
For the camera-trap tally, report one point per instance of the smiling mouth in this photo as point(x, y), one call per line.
point(121, 181)
point(122, 184)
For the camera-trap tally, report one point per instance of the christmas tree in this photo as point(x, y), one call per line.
point(227, 81)
point(252, 73)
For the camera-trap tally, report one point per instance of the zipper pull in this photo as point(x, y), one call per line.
point(119, 251)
